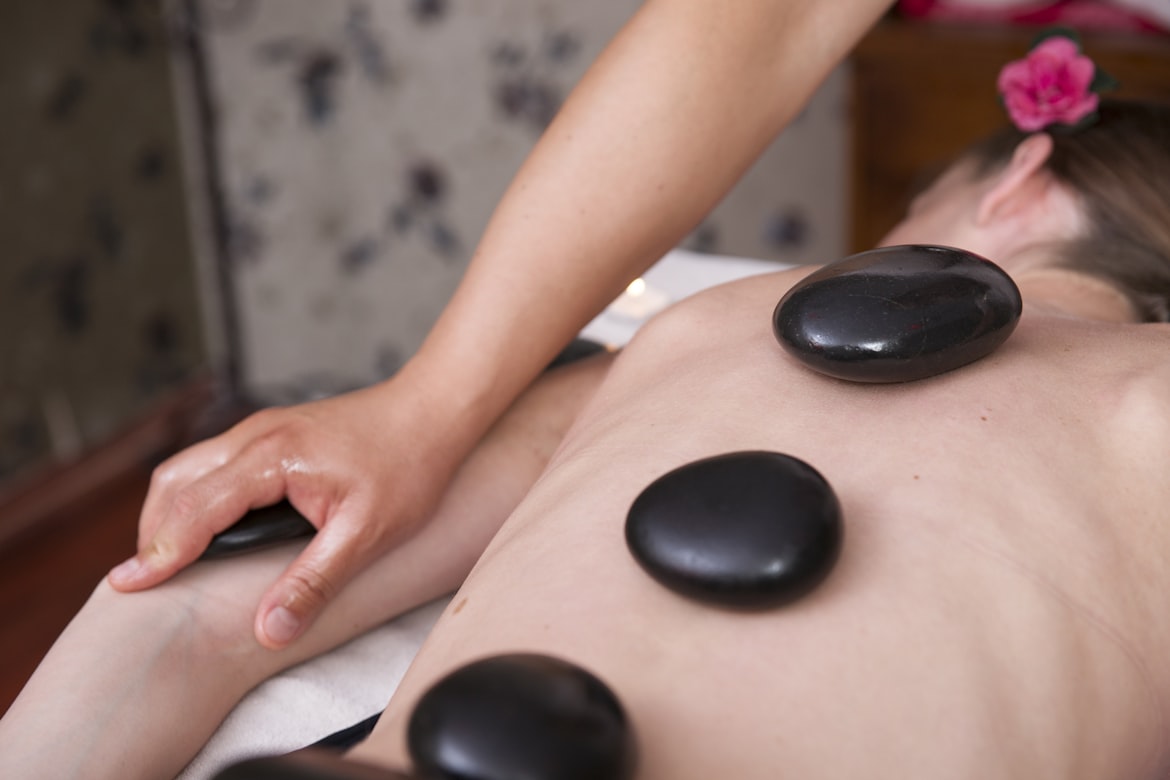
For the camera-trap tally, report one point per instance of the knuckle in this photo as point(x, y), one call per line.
point(163, 549)
point(313, 589)
point(376, 532)
point(265, 421)
point(168, 553)
point(273, 441)
point(262, 418)
point(163, 474)
point(186, 506)
point(268, 442)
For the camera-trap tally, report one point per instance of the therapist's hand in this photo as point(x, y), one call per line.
point(365, 468)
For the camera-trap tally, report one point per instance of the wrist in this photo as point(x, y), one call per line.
point(465, 377)
point(447, 405)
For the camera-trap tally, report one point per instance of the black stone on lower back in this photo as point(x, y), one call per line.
point(520, 716)
point(260, 528)
point(745, 529)
point(898, 314)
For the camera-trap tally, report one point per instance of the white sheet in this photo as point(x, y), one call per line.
point(318, 698)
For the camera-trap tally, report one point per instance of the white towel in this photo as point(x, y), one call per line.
point(319, 697)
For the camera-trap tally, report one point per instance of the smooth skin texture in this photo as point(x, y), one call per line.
point(137, 683)
point(996, 612)
point(998, 609)
point(674, 111)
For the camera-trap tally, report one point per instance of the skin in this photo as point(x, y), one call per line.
point(998, 607)
point(999, 590)
point(175, 659)
point(671, 114)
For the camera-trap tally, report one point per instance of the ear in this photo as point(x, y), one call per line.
point(1010, 185)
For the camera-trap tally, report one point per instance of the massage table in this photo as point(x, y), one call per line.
point(350, 685)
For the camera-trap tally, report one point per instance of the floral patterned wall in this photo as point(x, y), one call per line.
point(364, 144)
point(100, 315)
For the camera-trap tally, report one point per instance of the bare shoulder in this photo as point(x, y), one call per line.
point(1119, 374)
point(1119, 353)
point(751, 299)
point(1140, 358)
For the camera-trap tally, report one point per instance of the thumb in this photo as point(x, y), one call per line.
point(294, 601)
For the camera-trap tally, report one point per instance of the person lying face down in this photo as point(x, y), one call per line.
point(996, 610)
point(998, 596)
point(1114, 175)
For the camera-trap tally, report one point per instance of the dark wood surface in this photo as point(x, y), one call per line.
point(62, 529)
point(923, 92)
point(46, 576)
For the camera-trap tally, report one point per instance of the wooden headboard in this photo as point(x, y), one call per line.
point(922, 92)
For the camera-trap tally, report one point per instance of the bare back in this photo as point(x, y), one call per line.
point(997, 608)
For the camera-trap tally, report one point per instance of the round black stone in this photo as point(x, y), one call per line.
point(520, 716)
point(745, 529)
point(898, 314)
point(258, 529)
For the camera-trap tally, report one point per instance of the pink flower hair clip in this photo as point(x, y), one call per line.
point(1055, 86)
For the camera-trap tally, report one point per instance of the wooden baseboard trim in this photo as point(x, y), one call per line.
point(31, 502)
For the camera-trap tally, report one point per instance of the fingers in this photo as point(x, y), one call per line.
point(198, 460)
point(329, 459)
point(341, 549)
point(174, 473)
point(195, 513)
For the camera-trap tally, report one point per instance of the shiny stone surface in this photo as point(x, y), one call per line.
point(520, 716)
point(259, 528)
point(745, 529)
point(898, 314)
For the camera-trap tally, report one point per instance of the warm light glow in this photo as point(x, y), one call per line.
point(636, 288)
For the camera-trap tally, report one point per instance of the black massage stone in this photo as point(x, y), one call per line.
point(898, 314)
point(578, 349)
point(306, 765)
point(281, 523)
point(265, 527)
point(520, 716)
point(743, 530)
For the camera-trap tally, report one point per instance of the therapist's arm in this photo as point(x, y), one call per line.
point(138, 682)
point(677, 107)
point(680, 104)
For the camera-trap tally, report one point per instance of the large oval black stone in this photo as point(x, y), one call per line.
point(898, 314)
point(259, 528)
point(745, 529)
point(520, 716)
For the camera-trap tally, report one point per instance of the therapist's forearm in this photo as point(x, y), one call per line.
point(677, 107)
point(138, 682)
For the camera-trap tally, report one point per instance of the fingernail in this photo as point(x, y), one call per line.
point(281, 625)
point(126, 570)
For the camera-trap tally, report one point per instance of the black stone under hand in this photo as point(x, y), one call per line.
point(578, 349)
point(306, 765)
point(745, 529)
point(280, 523)
point(520, 716)
point(898, 314)
point(259, 528)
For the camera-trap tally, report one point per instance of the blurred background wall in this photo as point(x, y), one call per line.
point(364, 144)
point(99, 314)
point(349, 152)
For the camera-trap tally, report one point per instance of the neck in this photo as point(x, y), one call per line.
point(1064, 292)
